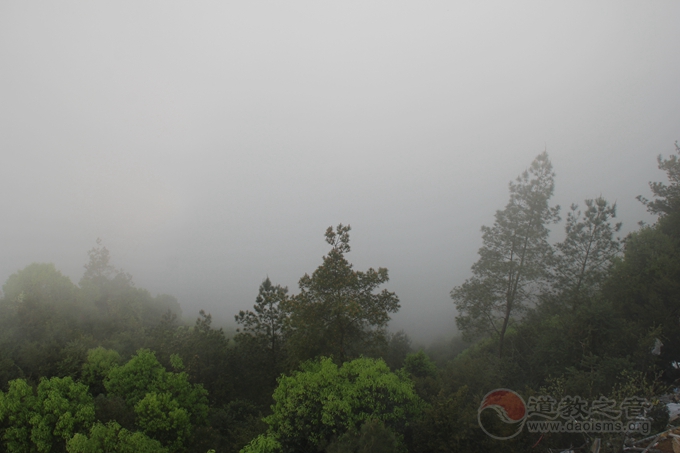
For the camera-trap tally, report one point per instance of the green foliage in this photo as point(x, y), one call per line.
point(46, 420)
point(573, 320)
point(166, 404)
point(38, 323)
point(141, 374)
point(100, 362)
point(667, 196)
point(336, 312)
point(205, 354)
point(232, 427)
point(590, 344)
point(161, 417)
point(162, 304)
point(113, 408)
point(265, 324)
point(263, 443)
point(645, 290)
point(477, 367)
point(114, 298)
point(261, 339)
point(323, 401)
point(419, 365)
point(373, 437)
point(66, 407)
point(40, 282)
point(398, 347)
point(585, 256)
point(512, 258)
point(19, 407)
point(176, 362)
point(101, 281)
point(111, 437)
point(450, 424)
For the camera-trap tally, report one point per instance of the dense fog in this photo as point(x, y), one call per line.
point(210, 145)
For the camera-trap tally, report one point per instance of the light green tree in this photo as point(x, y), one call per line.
point(512, 260)
point(45, 420)
point(111, 437)
point(17, 408)
point(314, 407)
point(99, 362)
point(160, 416)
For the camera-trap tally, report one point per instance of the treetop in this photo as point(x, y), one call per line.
point(339, 238)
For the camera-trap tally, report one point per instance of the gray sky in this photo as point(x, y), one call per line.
point(210, 144)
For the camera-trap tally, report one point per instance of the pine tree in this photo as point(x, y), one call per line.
point(512, 258)
point(337, 312)
point(585, 256)
point(667, 196)
point(262, 331)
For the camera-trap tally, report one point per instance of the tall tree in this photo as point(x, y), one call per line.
point(645, 284)
point(260, 342)
point(337, 312)
point(109, 288)
point(263, 327)
point(584, 257)
point(512, 257)
point(667, 196)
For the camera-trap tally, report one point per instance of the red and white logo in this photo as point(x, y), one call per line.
point(502, 414)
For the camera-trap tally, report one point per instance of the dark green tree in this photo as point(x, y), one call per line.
point(337, 312)
point(644, 288)
point(262, 329)
point(645, 284)
point(40, 317)
point(372, 437)
point(398, 347)
point(584, 257)
point(512, 260)
point(667, 196)
point(205, 352)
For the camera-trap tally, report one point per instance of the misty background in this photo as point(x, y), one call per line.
point(210, 144)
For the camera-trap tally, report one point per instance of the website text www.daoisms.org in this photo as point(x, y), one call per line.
point(503, 413)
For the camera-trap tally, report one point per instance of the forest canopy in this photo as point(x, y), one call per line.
point(103, 365)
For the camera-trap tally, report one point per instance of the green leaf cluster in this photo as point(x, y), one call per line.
point(337, 312)
point(317, 405)
point(45, 418)
point(166, 404)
